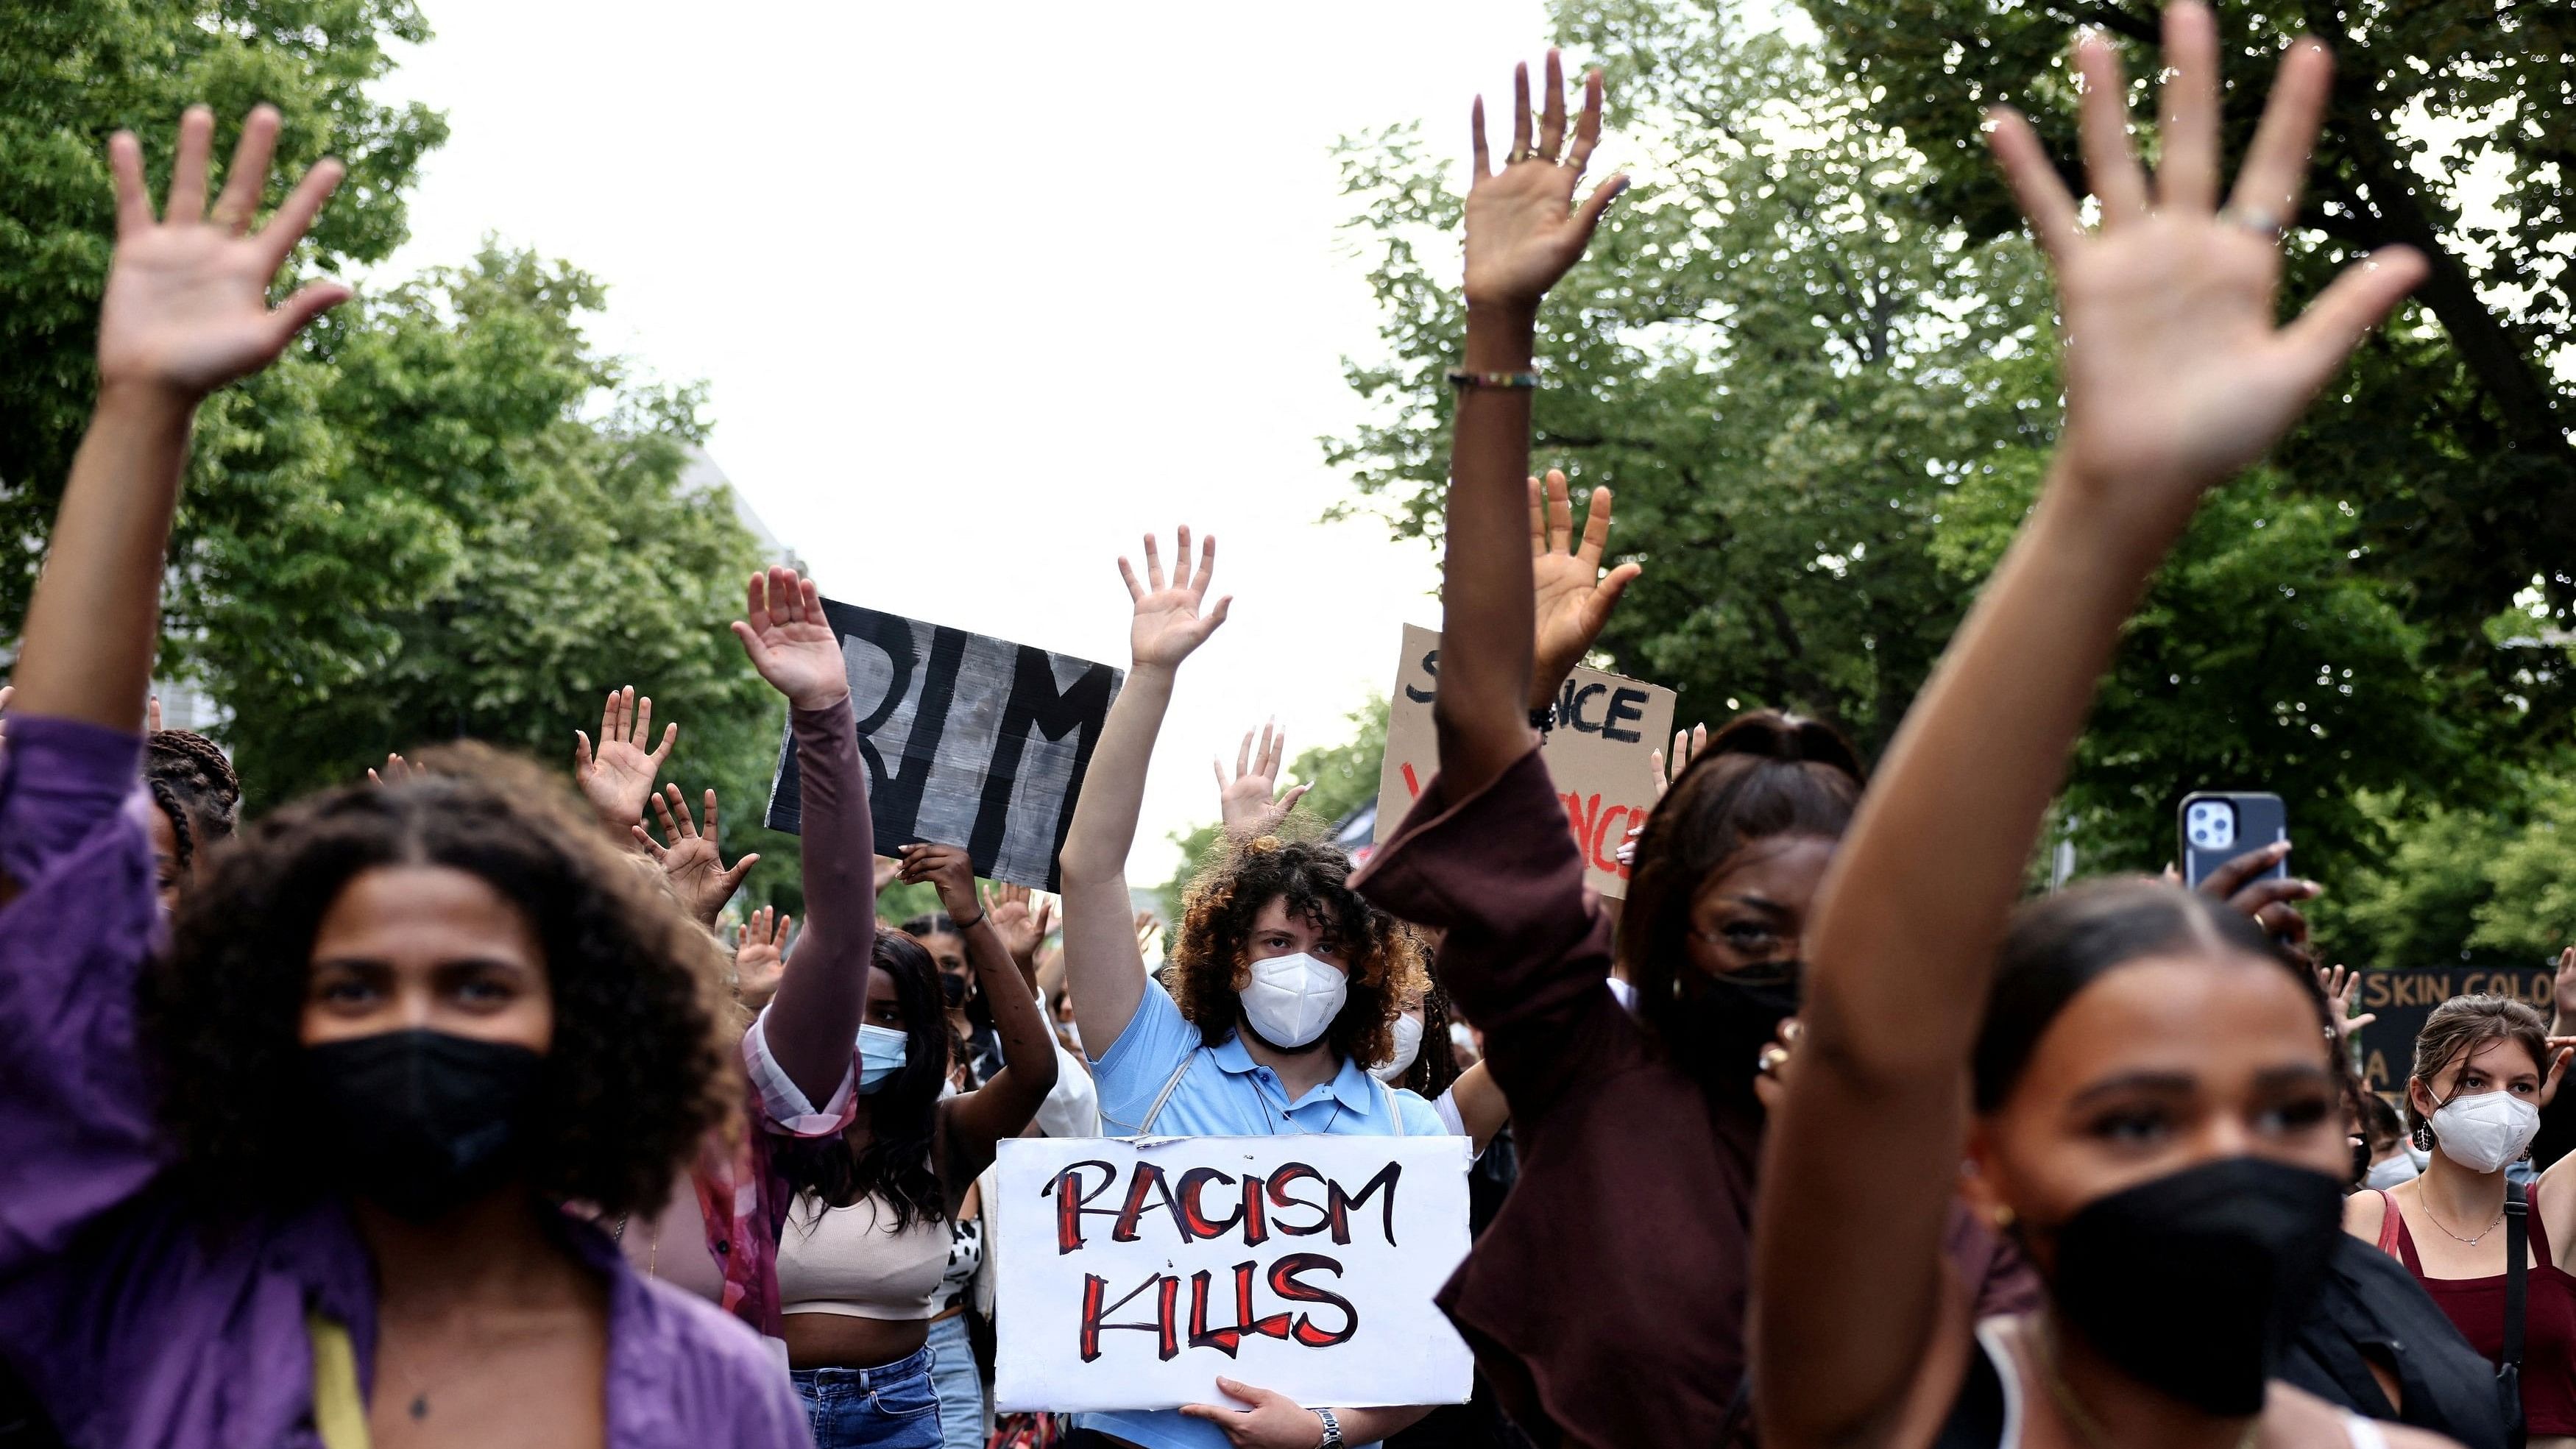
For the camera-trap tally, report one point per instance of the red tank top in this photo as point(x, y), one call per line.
point(2476, 1307)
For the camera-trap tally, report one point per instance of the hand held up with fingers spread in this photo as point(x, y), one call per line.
point(617, 778)
point(693, 862)
point(1245, 804)
point(1169, 626)
point(1524, 229)
point(186, 306)
point(1573, 597)
point(790, 642)
point(2175, 375)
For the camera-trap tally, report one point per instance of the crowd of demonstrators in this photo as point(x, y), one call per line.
point(467, 1105)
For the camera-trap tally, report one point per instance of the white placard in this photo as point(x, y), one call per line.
point(1133, 1273)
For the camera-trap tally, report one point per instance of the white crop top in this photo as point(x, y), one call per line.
point(844, 1263)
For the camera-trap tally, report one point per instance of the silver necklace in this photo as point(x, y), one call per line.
point(2446, 1231)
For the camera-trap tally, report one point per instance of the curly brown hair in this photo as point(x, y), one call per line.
point(1211, 957)
point(638, 1073)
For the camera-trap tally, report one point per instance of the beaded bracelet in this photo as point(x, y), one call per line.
point(1512, 381)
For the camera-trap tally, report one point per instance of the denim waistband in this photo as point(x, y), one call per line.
point(864, 1379)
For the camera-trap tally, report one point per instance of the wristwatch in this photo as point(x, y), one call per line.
point(1332, 1429)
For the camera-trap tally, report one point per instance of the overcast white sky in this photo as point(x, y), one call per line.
point(985, 290)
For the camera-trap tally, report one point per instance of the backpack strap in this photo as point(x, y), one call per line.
point(1394, 1108)
point(2390, 1223)
point(2517, 1239)
point(1146, 1127)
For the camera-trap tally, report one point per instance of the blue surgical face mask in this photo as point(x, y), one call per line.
point(881, 1054)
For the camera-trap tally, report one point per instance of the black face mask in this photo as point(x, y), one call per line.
point(952, 989)
point(1726, 1021)
point(424, 1120)
point(2194, 1283)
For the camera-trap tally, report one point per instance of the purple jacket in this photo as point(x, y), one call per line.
point(131, 1325)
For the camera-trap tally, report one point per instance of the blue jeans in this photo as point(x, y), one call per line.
point(960, 1384)
point(891, 1406)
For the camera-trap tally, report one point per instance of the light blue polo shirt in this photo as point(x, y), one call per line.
point(1225, 1093)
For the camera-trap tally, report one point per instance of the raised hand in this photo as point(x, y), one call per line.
point(2343, 993)
point(1573, 597)
point(186, 306)
point(760, 956)
point(1523, 228)
point(152, 714)
point(1687, 745)
point(617, 778)
point(1168, 622)
point(790, 642)
point(693, 862)
point(1246, 802)
point(952, 872)
point(2175, 375)
point(1022, 918)
point(1149, 933)
point(397, 770)
point(888, 871)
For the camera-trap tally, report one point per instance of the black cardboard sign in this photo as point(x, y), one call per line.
point(969, 740)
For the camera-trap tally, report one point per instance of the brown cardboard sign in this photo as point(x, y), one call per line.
point(1606, 727)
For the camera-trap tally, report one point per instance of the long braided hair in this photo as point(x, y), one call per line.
point(195, 787)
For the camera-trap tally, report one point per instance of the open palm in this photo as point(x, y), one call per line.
point(693, 861)
point(790, 641)
point(1168, 623)
point(1573, 597)
point(1252, 804)
point(617, 776)
point(2174, 372)
point(1523, 228)
point(186, 305)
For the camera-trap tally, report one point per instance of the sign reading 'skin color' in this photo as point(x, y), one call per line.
point(1133, 1273)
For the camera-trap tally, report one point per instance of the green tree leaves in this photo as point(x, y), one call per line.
point(1822, 382)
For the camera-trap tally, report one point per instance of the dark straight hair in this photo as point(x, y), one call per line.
point(2060, 944)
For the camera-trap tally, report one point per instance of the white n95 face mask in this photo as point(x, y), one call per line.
point(2484, 1132)
point(1408, 1045)
point(1293, 998)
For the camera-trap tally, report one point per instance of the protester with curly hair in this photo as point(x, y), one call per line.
point(1285, 987)
point(299, 1179)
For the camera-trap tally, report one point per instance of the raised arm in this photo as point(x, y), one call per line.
point(2175, 377)
point(185, 312)
point(812, 1024)
point(1103, 968)
point(1523, 232)
point(1005, 1105)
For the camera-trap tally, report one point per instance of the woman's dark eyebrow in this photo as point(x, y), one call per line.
point(2161, 1083)
point(2302, 1076)
point(1759, 903)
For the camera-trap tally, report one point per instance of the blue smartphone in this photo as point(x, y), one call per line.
point(2220, 825)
